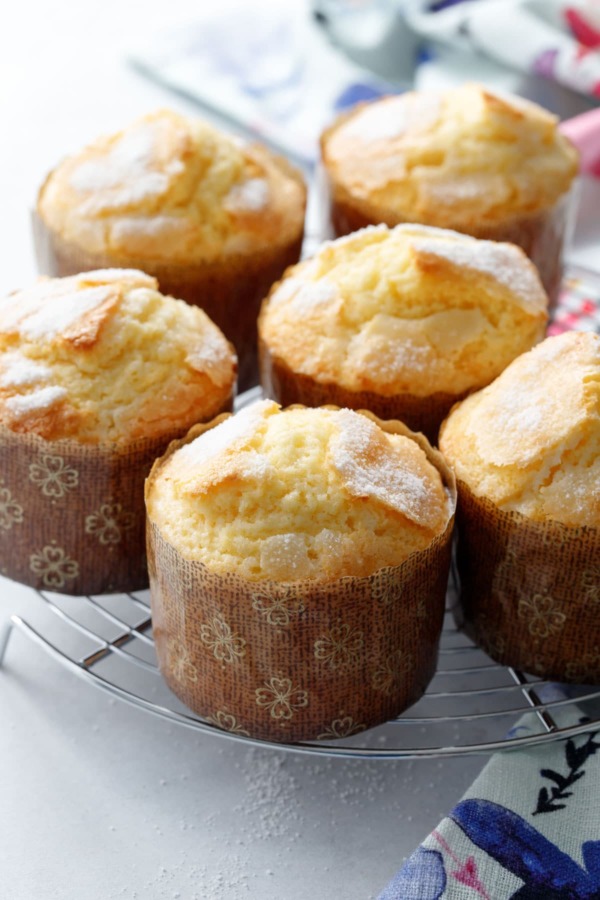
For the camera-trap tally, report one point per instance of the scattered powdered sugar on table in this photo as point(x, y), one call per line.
point(271, 801)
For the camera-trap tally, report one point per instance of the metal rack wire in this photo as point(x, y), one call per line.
point(471, 706)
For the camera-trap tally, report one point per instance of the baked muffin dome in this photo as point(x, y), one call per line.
point(215, 220)
point(526, 455)
point(104, 357)
point(298, 566)
point(298, 494)
point(392, 314)
point(492, 166)
point(98, 373)
point(172, 189)
point(461, 159)
point(530, 442)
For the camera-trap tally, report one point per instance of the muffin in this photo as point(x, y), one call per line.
point(298, 566)
point(215, 220)
point(401, 321)
point(494, 167)
point(98, 373)
point(526, 451)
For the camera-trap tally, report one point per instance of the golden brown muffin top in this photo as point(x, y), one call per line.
point(298, 493)
point(530, 441)
point(173, 189)
point(411, 309)
point(462, 158)
point(103, 356)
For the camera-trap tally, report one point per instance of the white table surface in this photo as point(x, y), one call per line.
point(100, 800)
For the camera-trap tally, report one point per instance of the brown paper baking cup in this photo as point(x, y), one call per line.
point(229, 290)
point(299, 660)
point(542, 235)
point(72, 515)
point(530, 591)
point(424, 414)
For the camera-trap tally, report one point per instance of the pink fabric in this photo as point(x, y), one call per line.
point(584, 131)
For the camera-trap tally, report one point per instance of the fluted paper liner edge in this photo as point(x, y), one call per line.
point(230, 290)
point(72, 515)
point(530, 591)
point(299, 660)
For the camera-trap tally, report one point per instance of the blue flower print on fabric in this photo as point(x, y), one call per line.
point(357, 93)
point(547, 872)
point(422, 877)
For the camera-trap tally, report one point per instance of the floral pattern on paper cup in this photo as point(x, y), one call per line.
point(11, 512)
point(281, 698)
point(54, 567)
point(53, 476)
point(528, 590)
point(340, 647)
point(278, 608)
point(224, 644)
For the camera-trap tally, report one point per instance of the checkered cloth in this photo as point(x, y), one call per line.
point(579, 304)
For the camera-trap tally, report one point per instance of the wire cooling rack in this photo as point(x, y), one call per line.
point(472, 705)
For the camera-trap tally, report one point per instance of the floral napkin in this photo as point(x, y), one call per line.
point(527, 829)
point(553, 38)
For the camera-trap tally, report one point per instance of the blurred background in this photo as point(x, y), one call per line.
point(72, 71)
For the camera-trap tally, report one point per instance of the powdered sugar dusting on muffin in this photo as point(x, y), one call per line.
point(518, 413)
point(131, 166)
point(458, 189)
point(539, 400)
point(230, 434)
point(127, 277)
point(251, 195)
point(503, 262)
point(285, 290)
point(305, 296)
point(355, 237)
point(144, 227)
point(314, 294)
point(392, 117)
point(212, 356)
point(17, 370)
point(370, 468)
point(47, 310)
point(42, 399)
